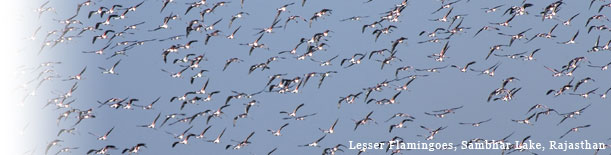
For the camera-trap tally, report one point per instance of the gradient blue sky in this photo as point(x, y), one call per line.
point(140, 77)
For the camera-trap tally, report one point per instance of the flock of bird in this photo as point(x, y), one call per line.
point(210, 96)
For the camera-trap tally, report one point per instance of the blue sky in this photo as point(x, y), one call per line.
point(140, 77)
